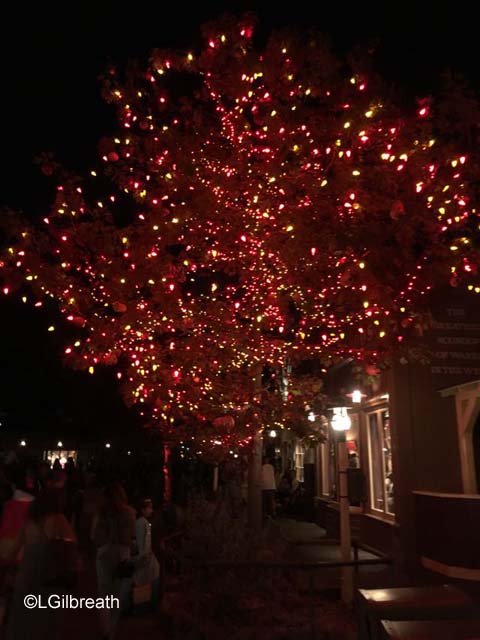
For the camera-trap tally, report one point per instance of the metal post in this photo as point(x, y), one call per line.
point(215, 478)
point(255, 484)
point(311, 589)
point(345, 534)
point(254, 493)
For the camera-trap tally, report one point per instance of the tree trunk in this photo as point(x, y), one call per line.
point(167, 478)
point(215, 479)
point(255, 484)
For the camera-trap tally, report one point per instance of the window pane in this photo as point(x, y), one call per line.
point(324, 448)
point(353, 439)
point(376, 464)
point(299, 456)
point(333, 468)
point(387, 457)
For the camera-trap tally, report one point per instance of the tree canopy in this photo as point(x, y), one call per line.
point(260, 205)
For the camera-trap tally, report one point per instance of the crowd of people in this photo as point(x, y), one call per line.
point(52, 521)
point(281, 490)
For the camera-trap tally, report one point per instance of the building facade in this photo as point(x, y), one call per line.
point(415, 442)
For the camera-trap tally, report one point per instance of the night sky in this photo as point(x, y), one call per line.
point(51, 102)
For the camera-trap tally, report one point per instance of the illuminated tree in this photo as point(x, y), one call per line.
point(258, 207)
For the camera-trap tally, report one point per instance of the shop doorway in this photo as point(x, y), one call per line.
point(62, 455)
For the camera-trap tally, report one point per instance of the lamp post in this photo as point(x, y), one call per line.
point(341, 423)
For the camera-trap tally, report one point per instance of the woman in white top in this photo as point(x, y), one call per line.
point(147, 570)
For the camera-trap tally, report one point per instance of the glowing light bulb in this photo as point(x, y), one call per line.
point(356, 395)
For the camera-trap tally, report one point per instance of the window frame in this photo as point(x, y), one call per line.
point(377, 410)
point(299, 454)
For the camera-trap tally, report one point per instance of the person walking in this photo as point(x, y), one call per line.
point(49, 566)
point(114, 536)
point(146, 587)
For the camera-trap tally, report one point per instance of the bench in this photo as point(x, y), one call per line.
point(410, 603)
point(431, 630)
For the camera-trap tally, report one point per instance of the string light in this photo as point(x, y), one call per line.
point(254, 236)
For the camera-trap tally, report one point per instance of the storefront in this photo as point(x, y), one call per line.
point(370, 475)
point(416, 436)
point(62, 455)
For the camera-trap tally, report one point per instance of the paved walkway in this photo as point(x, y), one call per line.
point(307, 542)
point(83, 624)
point(299, 542)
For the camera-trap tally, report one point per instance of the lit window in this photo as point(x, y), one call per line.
point(380, 462)
point(325, 458)
point(299, 458)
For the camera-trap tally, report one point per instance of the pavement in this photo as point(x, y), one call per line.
point(308, 542)
point(298, 542)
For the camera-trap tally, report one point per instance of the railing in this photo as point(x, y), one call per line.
point(310, 567)
point(172, 536)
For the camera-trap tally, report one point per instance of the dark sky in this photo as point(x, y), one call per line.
point(51, 57)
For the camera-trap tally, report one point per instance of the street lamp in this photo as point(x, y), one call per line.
point(341, 423)
point(341, 420)
point(357, 396)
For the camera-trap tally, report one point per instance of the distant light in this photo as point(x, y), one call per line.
point(59, 443)
point(108, 445)
point(129, 453)
point(311, 416)
point(273, 433)
point(23, 443)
